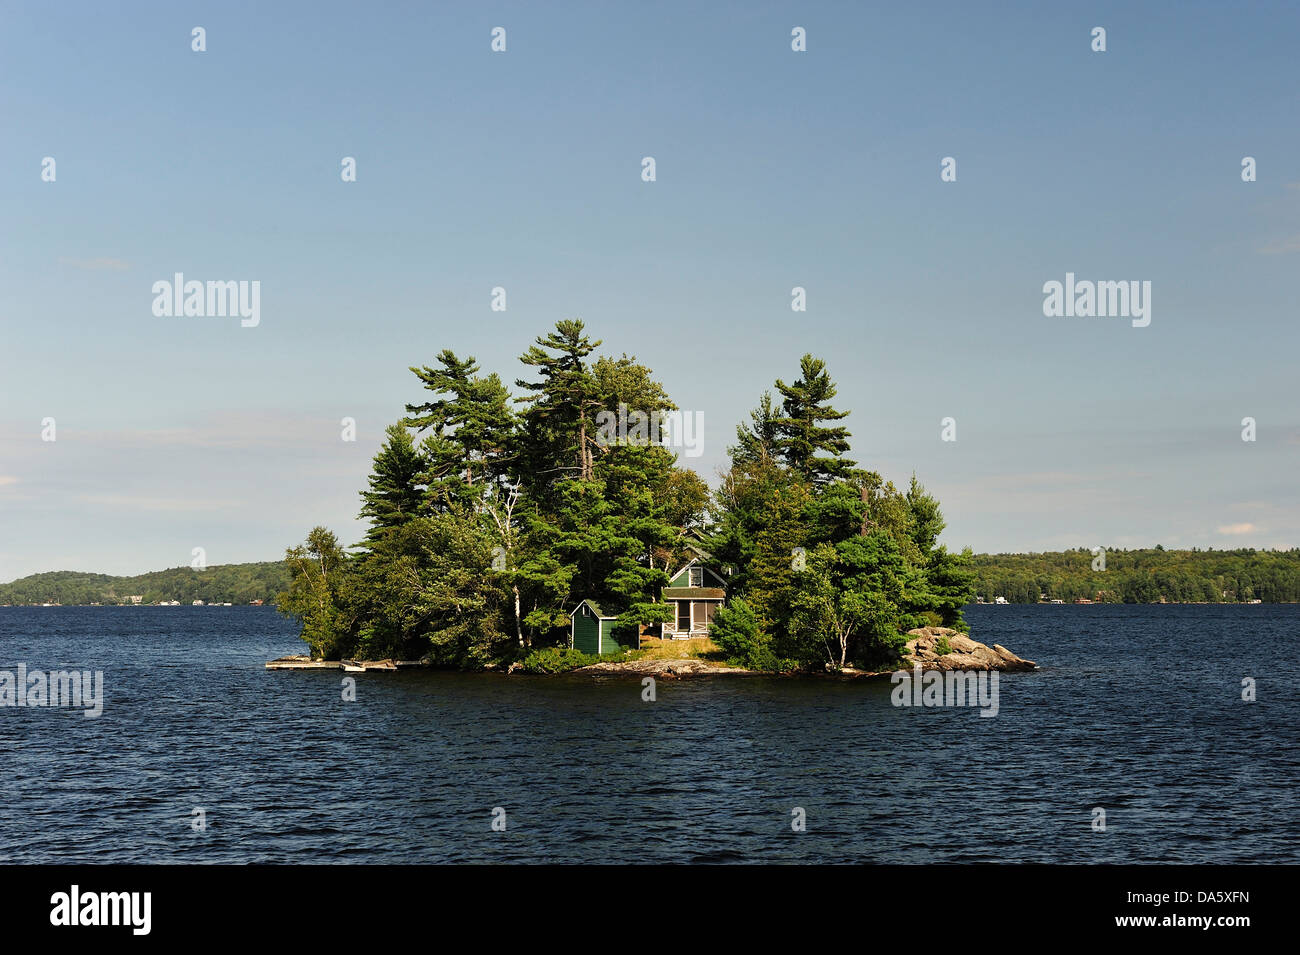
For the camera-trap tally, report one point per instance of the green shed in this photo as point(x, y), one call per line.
point(592, 631)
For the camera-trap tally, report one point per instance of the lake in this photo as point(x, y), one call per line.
point(1136, 709)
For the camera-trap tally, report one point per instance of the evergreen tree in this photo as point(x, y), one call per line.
point(757, 440)
point(559, 428)
point(927, 519)
point(394, 495)
point(833, 562)
point(431, 594)
point(472, 430)
point(759, 529)
point(801, 441)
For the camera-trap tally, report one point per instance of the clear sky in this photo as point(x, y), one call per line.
point(522, 169)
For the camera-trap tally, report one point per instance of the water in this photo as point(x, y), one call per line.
point(1136, 709)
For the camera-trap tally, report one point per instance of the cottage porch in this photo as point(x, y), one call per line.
point(694, 608)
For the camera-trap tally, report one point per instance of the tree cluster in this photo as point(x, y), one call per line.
point(492, 514)
point(830, 564)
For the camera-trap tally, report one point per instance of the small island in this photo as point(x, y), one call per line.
point(555, 529)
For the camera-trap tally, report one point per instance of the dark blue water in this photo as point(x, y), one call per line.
point(1136, 709)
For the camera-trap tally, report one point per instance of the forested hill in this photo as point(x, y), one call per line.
point(1131, 576)
point(1142, 576)
point(226, 583)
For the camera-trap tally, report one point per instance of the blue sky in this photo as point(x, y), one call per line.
point(522, 169)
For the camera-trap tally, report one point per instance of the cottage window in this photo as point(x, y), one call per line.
point(697, 576)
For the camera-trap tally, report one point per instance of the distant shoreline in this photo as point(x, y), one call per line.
point(1142, 576)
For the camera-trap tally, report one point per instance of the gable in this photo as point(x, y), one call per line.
point(588, 608)
point(707, 576)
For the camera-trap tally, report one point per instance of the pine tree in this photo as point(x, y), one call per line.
point(756, 441)
point(649, 497)
point(927, 519)
point(801, 441)
point(472, 430)
point(395, 495)
point(559, 428)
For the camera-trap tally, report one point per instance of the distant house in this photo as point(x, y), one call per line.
point(695, 592)
point(591, 630)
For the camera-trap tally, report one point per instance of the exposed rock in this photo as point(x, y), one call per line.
point(967, 654)
point(921, 649)
point(664, 669)
point(299, 661)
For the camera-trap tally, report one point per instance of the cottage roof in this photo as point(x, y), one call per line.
point(694, 561)
point(694, 593)
point(596, 609)
point(699, 551)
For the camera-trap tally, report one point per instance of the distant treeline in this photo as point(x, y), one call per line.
point(1142, 576)
point(1131, 576)
point(227, 583)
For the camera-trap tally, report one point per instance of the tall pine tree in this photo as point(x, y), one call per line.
point(471, 430)
point(394, 495)
point(559, 427)
point(801, 441)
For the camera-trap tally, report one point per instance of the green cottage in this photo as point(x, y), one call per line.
point(695, 593)
point(592, 631)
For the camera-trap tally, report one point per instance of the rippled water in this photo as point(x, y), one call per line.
point(1136, 709)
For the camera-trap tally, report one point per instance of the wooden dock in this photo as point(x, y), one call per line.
point(304, 662)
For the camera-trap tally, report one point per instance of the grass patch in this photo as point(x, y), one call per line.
point(698, 648)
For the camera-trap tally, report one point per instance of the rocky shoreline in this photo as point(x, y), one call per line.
point(964, 653)
point(923, 650)
point(301, 661)
point(930, 648)
point(667, 669)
